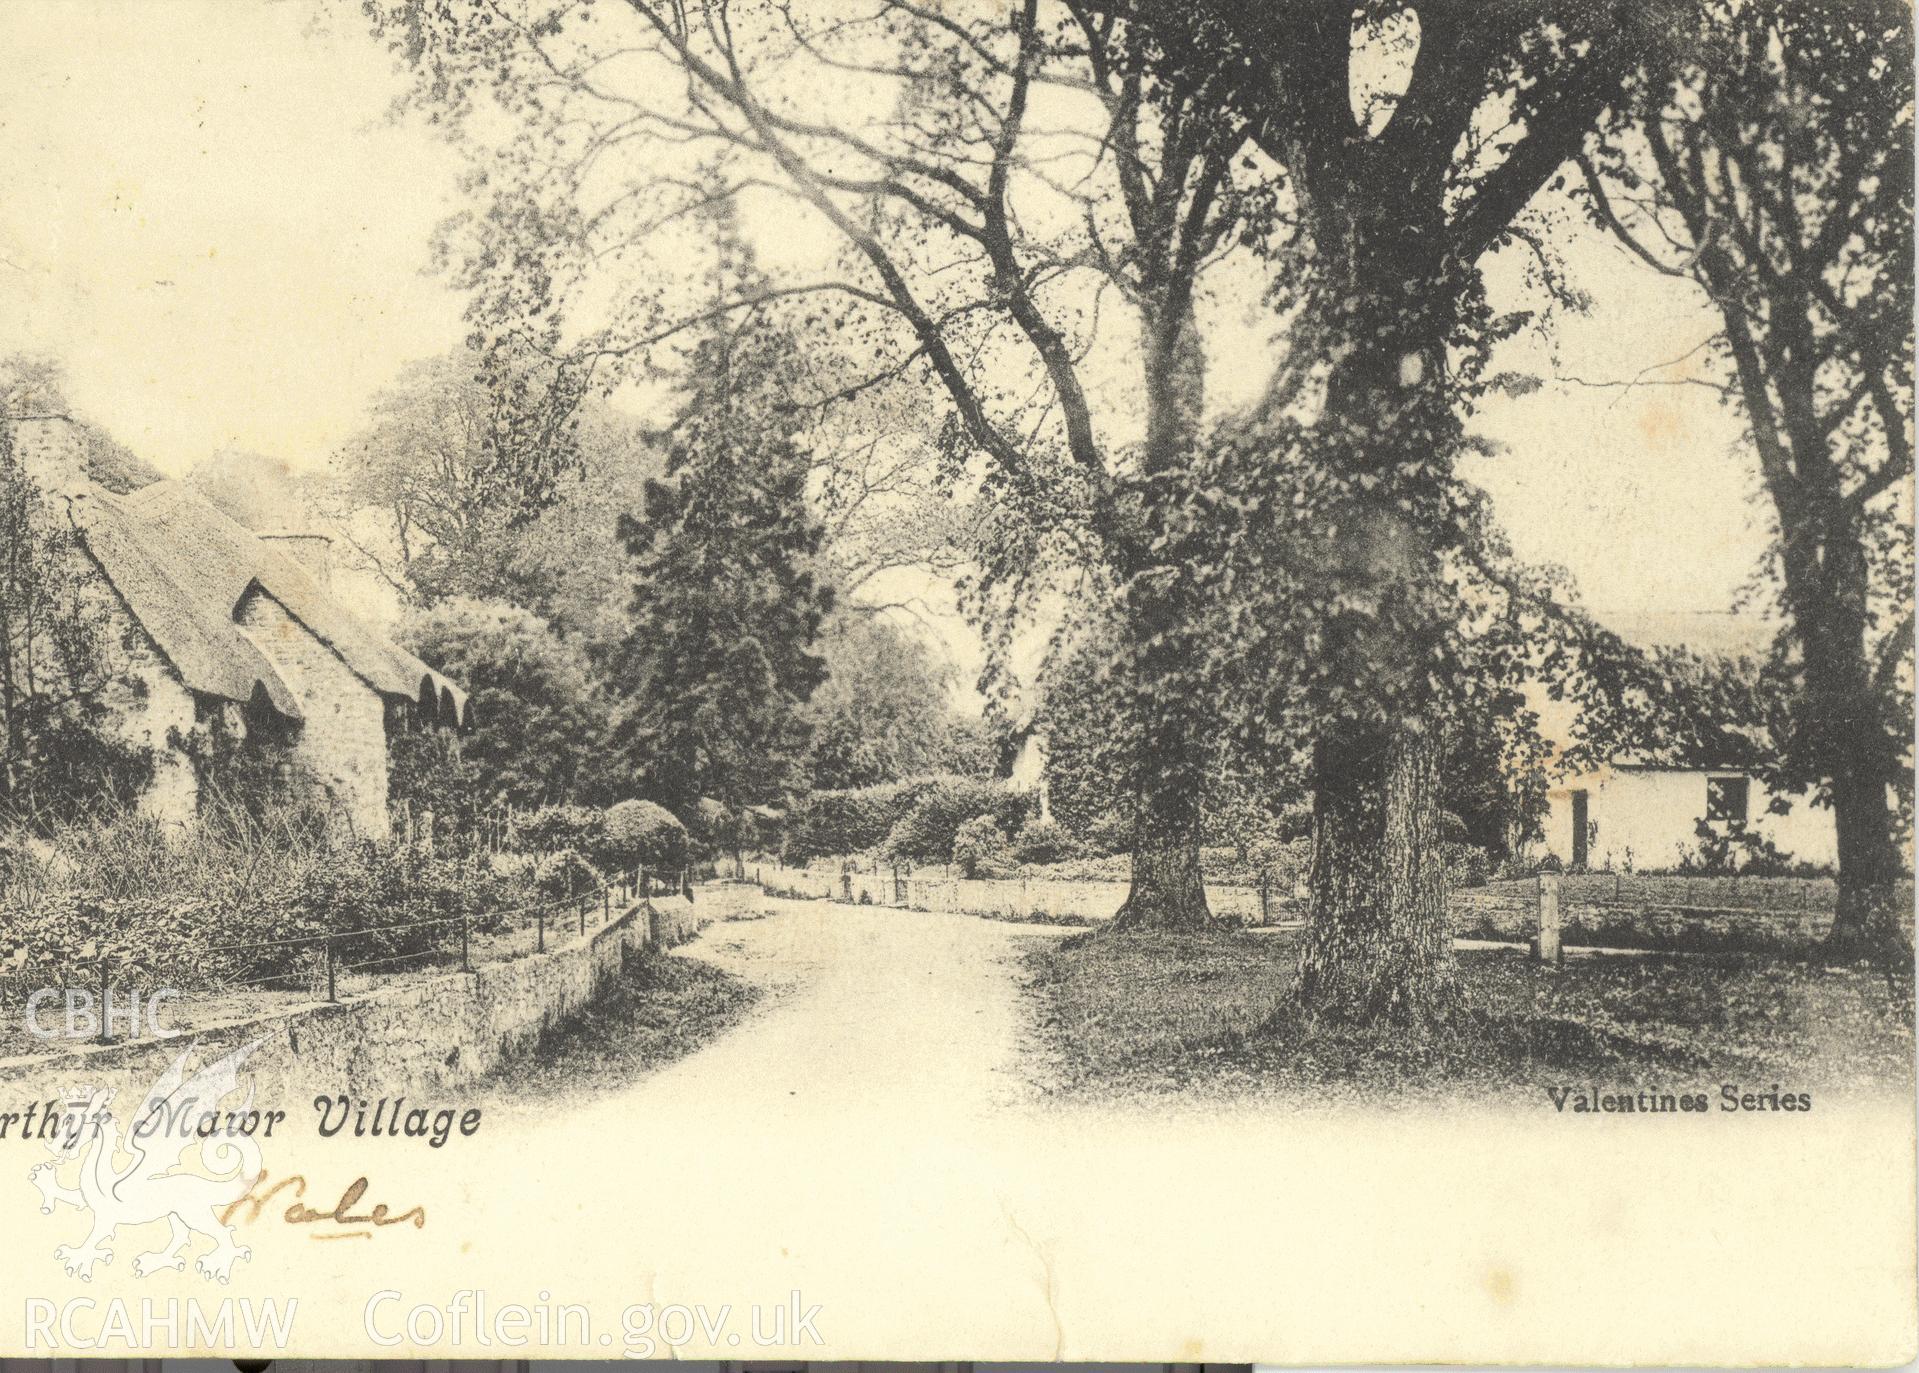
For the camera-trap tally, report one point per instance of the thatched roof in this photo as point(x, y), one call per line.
point(183, 568)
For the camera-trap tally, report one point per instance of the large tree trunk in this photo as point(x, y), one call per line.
point(1379, 949)
point(1827, 588)
point(1857, 759)
point(1169, 776)
point(1867, 925)
point(1168, 891)
point(1163, 613)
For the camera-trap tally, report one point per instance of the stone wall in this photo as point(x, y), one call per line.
point(436, 1032)
point(1006, 899)
point(1627, 910)
point(1604, 910)
point(342, 740)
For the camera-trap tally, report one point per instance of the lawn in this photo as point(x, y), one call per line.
point(1139, 1013)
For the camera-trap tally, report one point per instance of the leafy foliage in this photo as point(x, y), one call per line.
point(537, 720)
point(929, 828)
point(980, 848)
point(1044, 841)
point(836, 821)
point(552, 828)
point(63, 669)
point(462, 454)
point(639, 832)
point(566, 873)
point(883, 712)
point(239, 899)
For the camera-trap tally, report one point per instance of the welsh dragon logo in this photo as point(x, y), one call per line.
point(147, 1174)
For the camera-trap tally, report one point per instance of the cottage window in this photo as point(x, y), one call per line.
point(1727, 799)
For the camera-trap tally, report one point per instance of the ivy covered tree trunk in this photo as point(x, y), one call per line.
point(1163, 612)
point(1168, 890)
point(1379, 949)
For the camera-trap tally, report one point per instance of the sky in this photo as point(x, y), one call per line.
point(211, 220)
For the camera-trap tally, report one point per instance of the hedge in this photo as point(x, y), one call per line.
point(914, 820)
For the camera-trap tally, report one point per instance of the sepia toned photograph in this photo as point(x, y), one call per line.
point(1062, 680)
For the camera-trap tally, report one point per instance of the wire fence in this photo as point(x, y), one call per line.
point(319, 960)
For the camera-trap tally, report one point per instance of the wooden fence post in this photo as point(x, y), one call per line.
point(606, 905)
point(1549, 917)
point(466, 963)
point(539, 927)
point(332, 993)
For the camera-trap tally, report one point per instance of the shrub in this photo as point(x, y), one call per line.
point(245, 897)
point(1467, 865)
point(911, 821)
point(565, 874)
point(638, 832)
point(980, 848)
point(403, 903)
point(925, 834)
point(552, 828)
point(1110, 833)
point(1044, 841)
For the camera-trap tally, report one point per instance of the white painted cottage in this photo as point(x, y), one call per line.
point(1632, 815)
point(1638, 812)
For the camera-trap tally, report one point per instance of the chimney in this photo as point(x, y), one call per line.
point(314, 552)
point(51, 451)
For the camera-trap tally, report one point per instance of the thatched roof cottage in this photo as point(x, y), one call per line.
point(238, 635)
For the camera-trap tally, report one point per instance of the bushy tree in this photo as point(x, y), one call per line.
point(884, 711)
point(552, 828)
point(717, 659)
point(63, 672)
point(537, 718)
point(980, 848)
point(924, 833)
point(1044, 841)
point(460, 456)
point(639, 832)
point(566, 873)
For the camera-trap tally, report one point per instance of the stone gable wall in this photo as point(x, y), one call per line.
point(342, 741)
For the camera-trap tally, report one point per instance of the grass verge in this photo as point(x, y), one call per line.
point(658, 1008)
point(1129, 1013)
